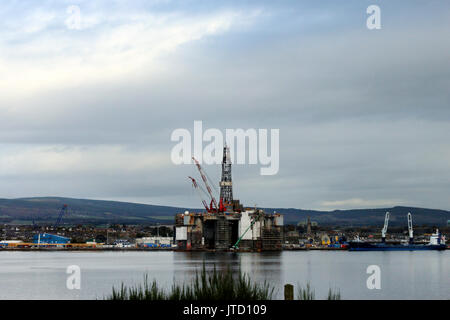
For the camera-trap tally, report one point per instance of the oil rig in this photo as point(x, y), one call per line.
point(226, 225)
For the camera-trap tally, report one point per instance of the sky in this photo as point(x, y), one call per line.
point(91, 91)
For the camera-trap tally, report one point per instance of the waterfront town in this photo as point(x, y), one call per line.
point(305, 235)
point(223, 225)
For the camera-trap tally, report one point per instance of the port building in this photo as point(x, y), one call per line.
point(154, 242)
point(47, 238)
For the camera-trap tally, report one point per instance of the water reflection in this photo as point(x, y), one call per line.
point(260, 266)
point(404, 275)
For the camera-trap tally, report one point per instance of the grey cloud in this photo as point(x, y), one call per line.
point(361, 115)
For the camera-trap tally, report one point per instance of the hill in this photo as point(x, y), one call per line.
point(367, 217)
point(45, 210)
point(82, 211)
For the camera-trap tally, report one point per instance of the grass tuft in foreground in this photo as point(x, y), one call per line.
point(334, 294)
point(306, 293)
point(212, 285)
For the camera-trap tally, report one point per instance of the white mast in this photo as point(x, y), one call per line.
point(410, 228)
point(384, 230)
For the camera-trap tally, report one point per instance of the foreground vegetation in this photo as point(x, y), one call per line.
point(307, 293)
point(205, 286)
point(210, 286)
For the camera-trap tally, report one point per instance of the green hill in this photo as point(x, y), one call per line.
point(368, 217)
point(84, 211)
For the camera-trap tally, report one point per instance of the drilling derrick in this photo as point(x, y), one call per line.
point(226, 185)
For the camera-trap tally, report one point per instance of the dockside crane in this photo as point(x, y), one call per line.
point(61, 213)
point(208, 188)
point(384, 230)
point(410, 228)
point(197, 188)
point(255, 219)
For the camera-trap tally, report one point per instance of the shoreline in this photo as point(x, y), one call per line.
point(166, 250)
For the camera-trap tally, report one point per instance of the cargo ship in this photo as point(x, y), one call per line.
point(434, 244)
point(437, 241)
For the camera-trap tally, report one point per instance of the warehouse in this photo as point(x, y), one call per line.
point(43, 238)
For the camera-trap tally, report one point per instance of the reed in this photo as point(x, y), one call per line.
point(306, 293)
point(212, 285)
point(334, 294)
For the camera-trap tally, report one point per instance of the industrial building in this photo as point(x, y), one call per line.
point(227, 225)
point(10, 243)
point(47, 238)
point(154, 242)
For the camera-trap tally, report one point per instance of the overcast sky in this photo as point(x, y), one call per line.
point(87, 109)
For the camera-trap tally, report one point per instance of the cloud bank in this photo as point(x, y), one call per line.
point(363, 115)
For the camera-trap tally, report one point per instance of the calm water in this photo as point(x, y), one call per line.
point(404, 275)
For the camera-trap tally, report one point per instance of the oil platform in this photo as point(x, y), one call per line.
point(226, 225)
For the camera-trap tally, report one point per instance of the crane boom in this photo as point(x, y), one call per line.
point(61, 213)
point(243, 234)
point(196, 187)
point(208, 188)
point(384, 230)
point(410, 228)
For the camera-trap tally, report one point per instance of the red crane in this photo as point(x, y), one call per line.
point(213, 200)
point(196, 187)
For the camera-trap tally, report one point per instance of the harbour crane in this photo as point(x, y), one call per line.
point(61, 213)
point(197, 188)
point(410, 228)
point(384, 230)
point(255, 219)
point(208, 188)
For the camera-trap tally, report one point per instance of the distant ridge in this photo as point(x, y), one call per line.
point(84, 211)
point(368, 217)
